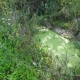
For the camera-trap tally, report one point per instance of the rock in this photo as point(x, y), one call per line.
point(63, 32)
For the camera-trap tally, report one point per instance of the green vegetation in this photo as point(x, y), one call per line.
point(30, 48)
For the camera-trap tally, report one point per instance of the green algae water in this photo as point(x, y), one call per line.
point(58, 46)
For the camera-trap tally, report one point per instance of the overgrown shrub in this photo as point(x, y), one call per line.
point(21, 56)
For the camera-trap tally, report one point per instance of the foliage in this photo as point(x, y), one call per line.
point(22, 57)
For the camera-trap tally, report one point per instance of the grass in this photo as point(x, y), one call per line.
point(62, 50)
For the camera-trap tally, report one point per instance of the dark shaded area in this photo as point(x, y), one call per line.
point(76, 77)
